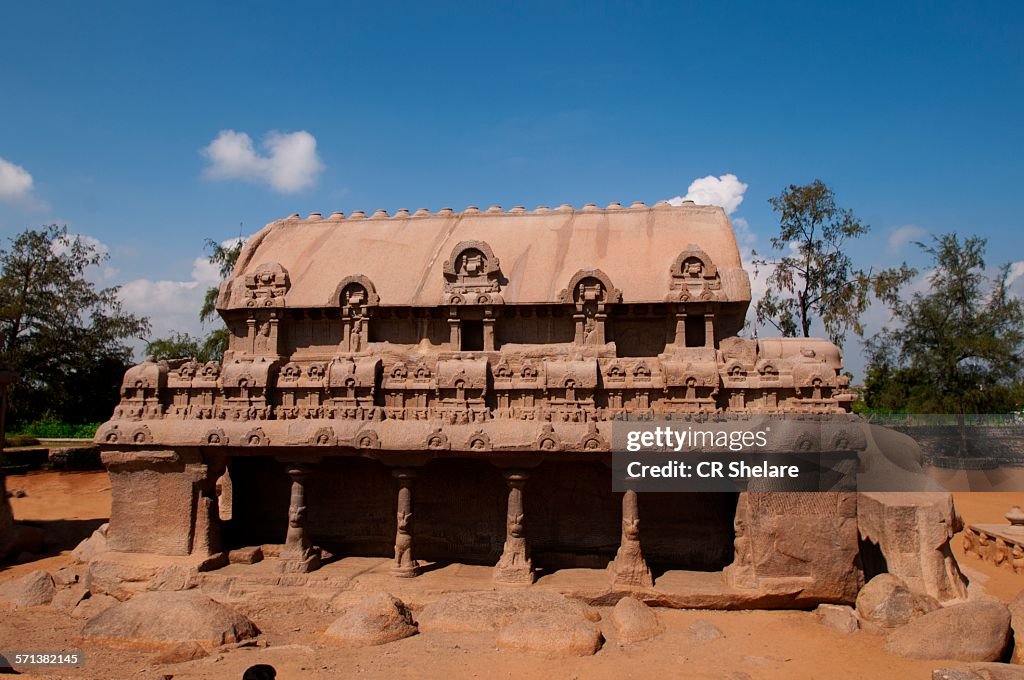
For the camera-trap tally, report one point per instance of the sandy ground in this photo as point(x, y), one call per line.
point(756, 644)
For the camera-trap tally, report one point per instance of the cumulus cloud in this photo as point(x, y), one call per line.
point(288, 162)
point(725, 191)
point(173, 305)
point(901, 236)
point(1015, 281)
point(15, 182)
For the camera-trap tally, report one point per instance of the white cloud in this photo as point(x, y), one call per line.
point(1016, 272)
point(725, 191)
point(15, 182)
point(901, 236)
point(174, 305)
point(101, 274)
point(289, 161)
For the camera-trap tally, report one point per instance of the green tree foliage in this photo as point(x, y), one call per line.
point(817, 279)
point(956, 348)
point(179, 346)
point(213, 346)
point(64, 337)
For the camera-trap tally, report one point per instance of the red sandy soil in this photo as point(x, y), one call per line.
point(773, 645)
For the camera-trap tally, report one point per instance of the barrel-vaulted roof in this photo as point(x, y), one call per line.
point(406, 257)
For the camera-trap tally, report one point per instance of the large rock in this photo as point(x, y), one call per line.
point(556, 634)
point(635, 621)
point(1016, 608)
point(886, 601)
point(163, 619)
point(92, 546)
point(375, 620)
point(973, 631)
point(32, 590)
point(486, 610)
point(980, 671)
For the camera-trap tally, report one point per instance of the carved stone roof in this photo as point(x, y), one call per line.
point(539, 251)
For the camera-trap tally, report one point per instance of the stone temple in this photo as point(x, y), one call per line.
point(439, 387)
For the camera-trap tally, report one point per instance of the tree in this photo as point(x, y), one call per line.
point(178, 346)
point(63, 336)
point(956, 348)
point(817, 280)
point(225, 257)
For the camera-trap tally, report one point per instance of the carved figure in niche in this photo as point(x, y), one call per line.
point(471, 262)
point(472, 275)
point(267, 286)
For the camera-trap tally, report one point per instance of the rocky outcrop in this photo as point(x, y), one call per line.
point(375, 620)
point(974, 631)
point(163, 619)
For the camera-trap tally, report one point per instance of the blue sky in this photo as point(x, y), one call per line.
point(911, 113)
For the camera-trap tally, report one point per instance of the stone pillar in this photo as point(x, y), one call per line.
point(515, 565)
point(454, 331)
point(405, 565)
point(709, 329)
point(298, 555)
point(680, 336)
point(580, 320)
point(599, 331)
point(629, 568)
point(489, 322)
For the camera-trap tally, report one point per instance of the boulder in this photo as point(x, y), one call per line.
point(555, 634)
point(66, 599)
point(65, 576)
point(162, 619)
point(93, 604)
point(92, 546)
point(32, 590)
point(839, 617)
point(973, 631)
point(487, 610)
point(1016, 608)
point(635, 621)
point(705, 631)
point(886, 601)
point(375, 620)
point(980, 671)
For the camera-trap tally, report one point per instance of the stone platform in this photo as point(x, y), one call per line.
point(122, 575)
